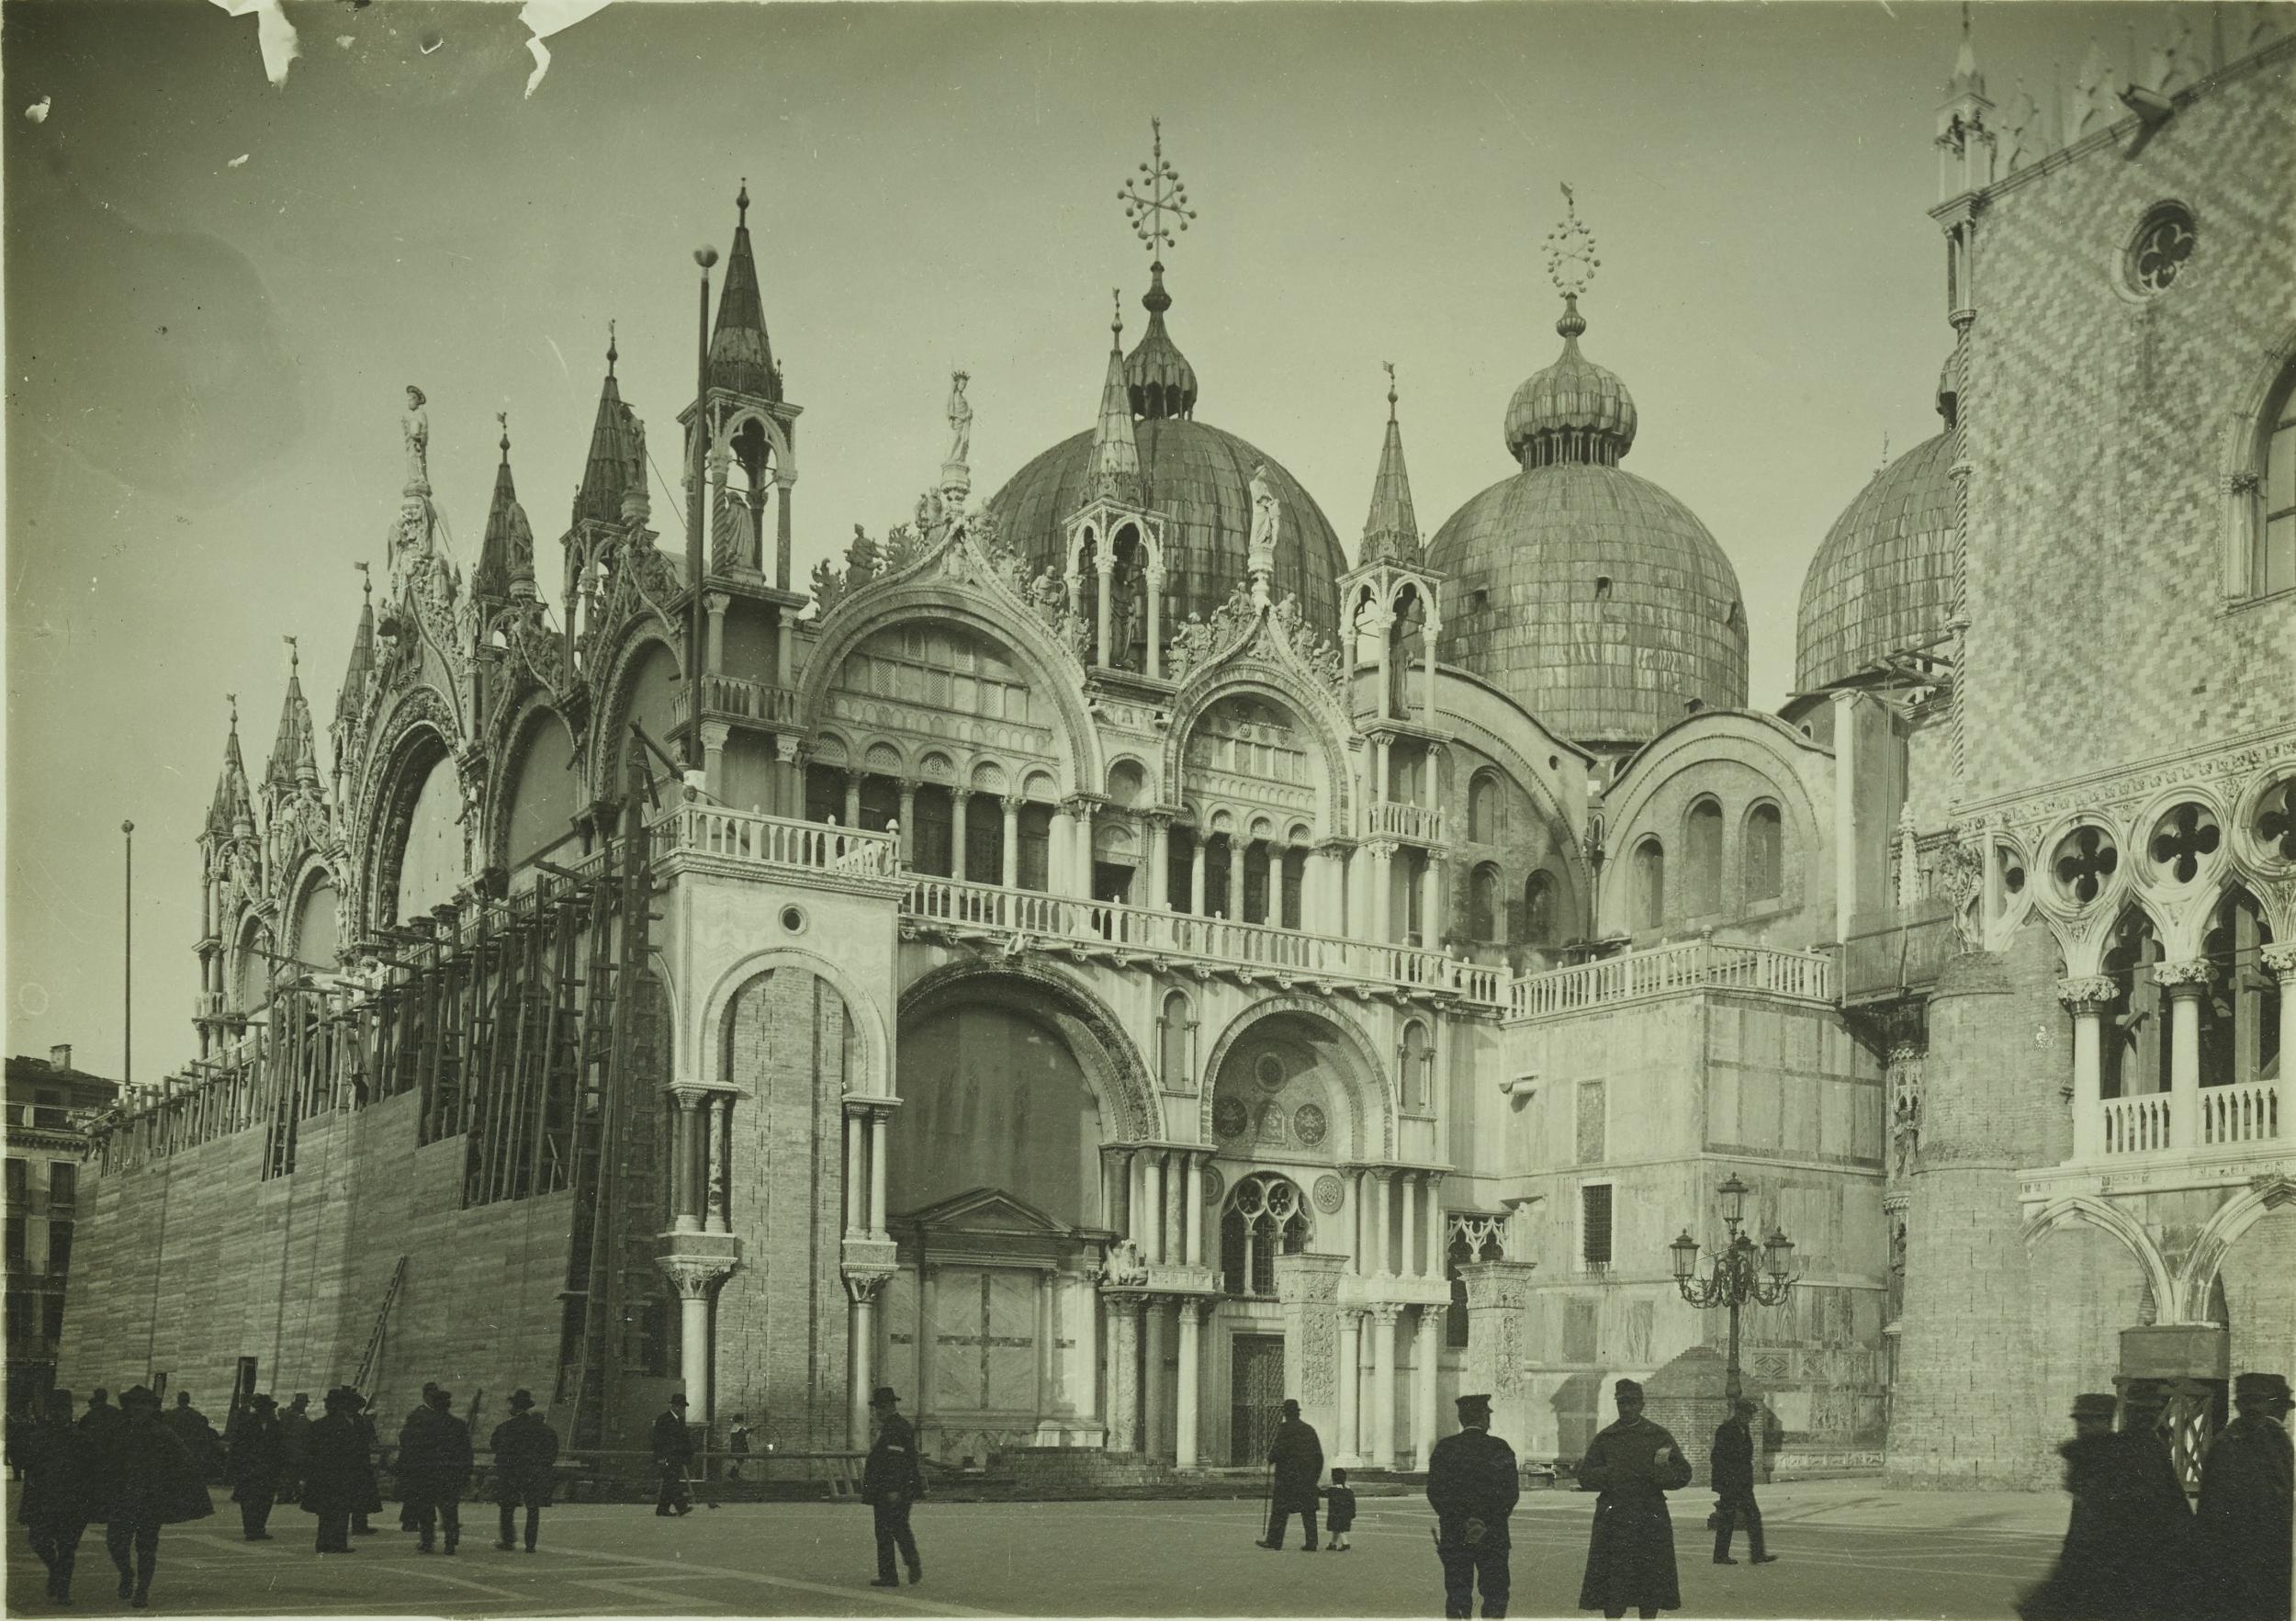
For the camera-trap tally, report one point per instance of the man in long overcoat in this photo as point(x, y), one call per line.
point(2127, 1544)
point(53, 1455)
point(338, 1471)
point(295, 1426)
point(1732, 1461)
point(144, 1478)
point(891, 1481)
point(1472, 1485)
point(254, 1467)
point(1296, 1468)
point(525, 1452)
point(2244, 1506)
point(673, 1451)
point(1630, 1556)
point(190, 1426)
point(434, 1463)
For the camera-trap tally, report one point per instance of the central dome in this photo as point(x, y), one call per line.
point(1197, 477)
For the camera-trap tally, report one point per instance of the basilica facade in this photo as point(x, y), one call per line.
point(1109, 954)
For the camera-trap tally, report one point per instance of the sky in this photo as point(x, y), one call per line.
point(217, 287)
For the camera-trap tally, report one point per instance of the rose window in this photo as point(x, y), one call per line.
point(2163, 243)
point(2182, 839)
point(2276, 821)
point(2084, 863)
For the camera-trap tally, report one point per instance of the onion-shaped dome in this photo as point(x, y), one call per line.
point(1884, 578)
point(1590, 596)
point(1197, 477)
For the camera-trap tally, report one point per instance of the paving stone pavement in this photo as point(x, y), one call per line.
point(1848, 1550)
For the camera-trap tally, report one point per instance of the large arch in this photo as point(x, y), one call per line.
point(704, 1036)
point(422, 783)
point(1268, 684)
point(1371, 1100)
point(1120, 1078)
point(538, 789)
point(2195, 1279)
point(2082, 1207)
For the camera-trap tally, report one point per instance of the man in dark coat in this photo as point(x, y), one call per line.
point(295, 1424)
point(363, 1414)
point(891, 1481)
point(410, 1507)
point(2245, 1512)
point(1472, 1484)
point(254, 1467)
point(2126, 1545)
point(1630, 1556)
point(144, 1478)
point(190, 1426)
point(1296, 1471)
point(53, 1505)
point(338, 1471)
point(525, 1451)
point(435, 1464)
point(1733, 1464)
point(100, 1414)
point(673, 1451)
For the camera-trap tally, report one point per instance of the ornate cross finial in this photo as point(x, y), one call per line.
point(1570, 261)
point(233, 699)
point(295, 658)
point(367, 580)
point(1389, 368)
point(1885, 462)
point(504, 417)
point(1116, 324)
point(1148, 201)
point(612, 353)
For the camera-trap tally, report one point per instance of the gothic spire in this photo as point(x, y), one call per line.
point(506, 556)
point(1391, 531)
point(741, 355)
point(233, 808)
point(294, 757)
point(600, 498)
point(1114, 474)
point(354, 689)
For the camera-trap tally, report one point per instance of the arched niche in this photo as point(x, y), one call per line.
point(251, 968)
point(650, 696)
point(315, 937)
point(1289, 1085)
point(540, 796)
point(422, 842)
point(1250, 749)
point(940, 679)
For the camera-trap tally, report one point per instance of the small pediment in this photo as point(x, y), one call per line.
point(986, 1212)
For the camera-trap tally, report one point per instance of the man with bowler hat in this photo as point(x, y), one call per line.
point(144, 1479)
point(1733, 1466)
point(253, 1465)
point(1472, 1485)
point(673, 1451)
point(435, 1462)
point(2125, 1551)
point(1630, 1556)
point(339, 1471)
point(526, 1450)
point(1295, 1464)
point(2245, 1512)
point(890, 1481)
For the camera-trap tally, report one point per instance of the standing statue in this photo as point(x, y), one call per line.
point(1124, 616)
point(416, 425)
point(959, 420)
point(1267, 519)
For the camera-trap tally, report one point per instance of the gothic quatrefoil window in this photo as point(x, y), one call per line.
point(2161, 245)
point(2012, 866)
point(2182, 839)
point(2083, 863)
point(2276, 821)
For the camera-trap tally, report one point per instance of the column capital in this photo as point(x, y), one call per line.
point(2187, 978)
point(1384, 1313)
point(1079, 805)
point(863, 1287)
point(2085, 994)
point(691, 1276)
point(713, 735)
point(870, 1105)
point(1012, 803)
point(1333, 846)
point(716, 602)
point(789, 749)
point(2281, 959)
point(1120, 1152)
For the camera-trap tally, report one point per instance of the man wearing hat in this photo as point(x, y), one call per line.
point(1472, 1485)
point(891, 1481)
point(434, 1463)
point(338, 1471)
point(295, 1427)
point(1296, 1467)
point(1732, 1461)
point(525, 1451)
point(144, 1478)
point(53, 1504)
point(409, 1517)
point(1630, 1556)
point(2245, 1512)
point(254, 1466)
point(673, 1452)
point(2125, 1545)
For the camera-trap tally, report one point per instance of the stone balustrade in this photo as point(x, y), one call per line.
point(1388, 819)
point(2227, 1117)
point(750, 837)
point(733, 697)
point(1698, 966)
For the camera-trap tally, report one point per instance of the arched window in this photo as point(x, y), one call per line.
point(1485, 912)
point(2272, 564)
point(1539, 922)
point(1765, 854)
point(1649, 885)
point(1704, 849)
point(2134, 1060)
point(2240, 1012)
point(1485, 807)
point(1266, 1216)
point(1416, 1064)
point(1176, 1042)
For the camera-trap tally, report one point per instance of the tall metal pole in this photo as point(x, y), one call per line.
point(1731, 1384)
point(128, 959)
point(705, 256)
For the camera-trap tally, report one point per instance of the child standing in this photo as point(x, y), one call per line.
point(1339, 1511)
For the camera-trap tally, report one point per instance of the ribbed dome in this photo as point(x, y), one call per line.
point(1200, 479)
point(1574, 411)
point(1595, 599)
point(1884, 578)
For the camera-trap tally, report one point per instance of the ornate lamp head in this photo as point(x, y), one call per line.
point(1685, 1250)
point(1778, 1256)
point(1733, 1196)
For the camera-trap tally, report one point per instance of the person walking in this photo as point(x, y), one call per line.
point(100, 1414)
point(190, 1426)
point(144, 1478)
point(1732, 1461)
point(1472, 1485)
point(525, 1451)
point(410, 1506)
point(295, 1424)
point(2244, 1506)
point(673, 1452)
point(363, 1415)
point(1296, 1465)
point(737, 1447)
point(1339, 1512)
point(253, 1465)
point(892, 1481)
point(435, 1464)
point(1630, 1553)
point(2125, 1551)
point(53, 1505)
point(338, 1473)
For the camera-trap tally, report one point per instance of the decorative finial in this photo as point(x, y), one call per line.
point(1884, 466)
point(504, 417)
point(741, 203)
point(1570, 261)
point(366, 580)
point(295, 658)
point(233, 699)
point(1146, 202)
point(1391, 388)
point(1116, 322)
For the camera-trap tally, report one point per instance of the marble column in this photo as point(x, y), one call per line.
point(2087, 1000)
point(1407, 1250)
point(713, 736)
point(1438, 1228)
point(1152, 1421)
point(909, 821)
point(1191, 1355)
point(1116, 1188)
point(1350, 1387)
point(1123, 1373)
point(1060, 855)
point(789, 777)
point(685, 1183)
point(852, 797)
point(1155, 623)
point(1382, 893)
point(877, 1137)
point(1011, 804)
point(1237, 845)
point(1426, 1355)
point(1159, 897)
point(2279, 960)
point(2185, 983)
point(1195, 1197)
point(960, 812)
point(1195, 874)
point(856, 1182)
point(860, 1350)
point(1149, 1230)
point(715, 602)
point(1382, 1177)
point(1385, 1318)
point(1103, 571)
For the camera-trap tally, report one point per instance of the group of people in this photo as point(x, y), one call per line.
point(2136, 1550)
point(131, 1470)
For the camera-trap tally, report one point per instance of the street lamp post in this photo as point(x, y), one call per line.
point(1741, 1272)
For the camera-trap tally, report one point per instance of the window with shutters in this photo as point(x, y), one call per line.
point(1594, 1226)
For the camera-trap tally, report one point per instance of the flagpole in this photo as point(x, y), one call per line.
point(128, 958)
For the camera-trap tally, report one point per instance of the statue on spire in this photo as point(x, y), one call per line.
point(415, 425)
point(1266, 522)
point(960, 421)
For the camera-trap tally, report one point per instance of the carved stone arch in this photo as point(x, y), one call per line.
point(1512, 764)
point(2195, 1279)
point(2098, 1212)
point(698, 1025)
point(511, 739)
point(1125, 1085)
point(2084, 942)
point(311, 870)
point(1374, 1117)
point(785, 453)
point(2240, 445)
point(419, 722)
point(1263, 679)
point(611, 713)
point(1052, 670)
